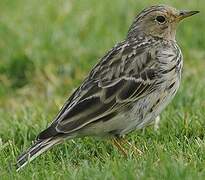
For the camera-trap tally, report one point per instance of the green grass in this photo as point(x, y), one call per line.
point(47, 48)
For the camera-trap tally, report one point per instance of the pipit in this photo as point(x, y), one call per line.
point(127, 89)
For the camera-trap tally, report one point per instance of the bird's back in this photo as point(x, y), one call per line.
point(154, 88)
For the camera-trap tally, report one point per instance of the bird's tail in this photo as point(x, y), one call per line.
point(35, 150)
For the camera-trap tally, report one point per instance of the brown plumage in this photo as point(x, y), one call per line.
point(127, 89)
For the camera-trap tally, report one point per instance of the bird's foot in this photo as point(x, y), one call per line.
point(116, 142)
point(120, 143)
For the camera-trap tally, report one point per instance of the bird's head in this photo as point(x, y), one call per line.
point(159, 21)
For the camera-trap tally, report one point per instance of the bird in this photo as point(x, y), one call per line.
point(126, 90)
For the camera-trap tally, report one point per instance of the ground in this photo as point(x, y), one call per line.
point(46, 50)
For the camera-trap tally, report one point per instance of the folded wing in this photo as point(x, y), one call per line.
point(124, 75)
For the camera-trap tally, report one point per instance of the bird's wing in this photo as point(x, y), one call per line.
point(124, 75)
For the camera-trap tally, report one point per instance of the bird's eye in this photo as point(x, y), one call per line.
point(160, 19)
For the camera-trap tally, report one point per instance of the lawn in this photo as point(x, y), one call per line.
point(46, 50)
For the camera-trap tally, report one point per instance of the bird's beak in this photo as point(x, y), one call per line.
point(183, 14)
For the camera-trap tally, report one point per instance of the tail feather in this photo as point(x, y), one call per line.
point(35, 150)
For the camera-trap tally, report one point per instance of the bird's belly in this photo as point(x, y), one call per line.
point(145, 110)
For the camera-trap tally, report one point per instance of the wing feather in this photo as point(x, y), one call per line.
point(124, 75)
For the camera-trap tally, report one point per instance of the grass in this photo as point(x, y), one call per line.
point(47, 48)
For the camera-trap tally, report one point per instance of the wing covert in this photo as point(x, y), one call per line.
point(124, 75)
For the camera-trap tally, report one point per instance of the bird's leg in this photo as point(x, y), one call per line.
point(132, 146)
point(121, 142)
point(156, 123)
point(116, 142)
